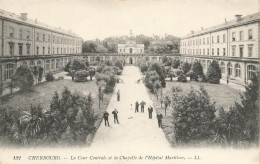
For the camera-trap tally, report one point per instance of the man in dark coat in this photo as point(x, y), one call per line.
point(136, 106)
point(118, 95)
point(115, 113)
point(142, 106)
point(159, 118)
point(150, 111)
point(105, 116)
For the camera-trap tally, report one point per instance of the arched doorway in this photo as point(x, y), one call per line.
point(130, 50)
point(130, 60)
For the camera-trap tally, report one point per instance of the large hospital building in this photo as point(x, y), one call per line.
point(234, 44)
point(32, 43)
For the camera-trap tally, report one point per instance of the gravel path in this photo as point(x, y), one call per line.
point(136, 135)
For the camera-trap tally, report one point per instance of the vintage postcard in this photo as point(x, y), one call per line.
point(129, 81)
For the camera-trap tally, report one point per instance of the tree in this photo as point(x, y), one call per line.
point(23, 77)
point(160, 69)
point(185, 67)
point(164, 59)
point(193, 116)
point(32, 123)
point(214, 72)
point(196, 71)
point(49, 77)
point(175, 63)
point(77, 64)
point(40, 74)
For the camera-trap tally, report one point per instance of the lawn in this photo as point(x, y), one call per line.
point(43, 93)
point(223, 95)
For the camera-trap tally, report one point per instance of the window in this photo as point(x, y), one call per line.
point(250, 50)
point(224, 52)
point(207, 40)
point(218, 51)
point(43, 50)
point(212, 39)
point(203, 51)
point(238, 70)
point(241, 51)
point(20, 34)
point(241, 35)
point(57, 63)
point(250, 34)
point(39, 63)
point(61, 62)
point(212, 52)
point(37, 50)
point(43, 37)
point(233, 50)
point(53, 39)
point(28, 49)
point(20, 49)
point(47, 65)
point(28, 35)
point(61, 50)
point(233, 36)
point(37, 36)
point(11, 32)
point(224, 38)
point(52, 63)
point(57, 50)
point(203, 40)
point(251, 70)
point(222, 66)
point(11, 48)
point(207, 51)
point(9, 71)
point(49, 38)
point(53, 51)
point(49, 50)
point(229, 66)
point(217, 39)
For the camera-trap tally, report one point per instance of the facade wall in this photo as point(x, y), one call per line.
point(236, 49)
point(21, 44)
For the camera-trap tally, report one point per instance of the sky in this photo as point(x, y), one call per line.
point(93, 19)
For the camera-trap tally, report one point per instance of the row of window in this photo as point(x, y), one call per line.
point(49, 65)
point(207, 52)
point(203, 40)
point(130, 50)
point(43, 37)
point(28, 47)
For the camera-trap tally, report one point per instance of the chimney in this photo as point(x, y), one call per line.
point(24, 16)
point(202, 28)
point(192, 32)
point(238, 17)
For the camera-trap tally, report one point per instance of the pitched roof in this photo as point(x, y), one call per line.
point(7, 15)
point(233, 23)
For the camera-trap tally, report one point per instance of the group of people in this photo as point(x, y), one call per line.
point(137, 104)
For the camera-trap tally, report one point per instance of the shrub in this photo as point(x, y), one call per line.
point(160, 69)
point(182, 77)
point(150, 78)
point(143, 67)
point(49, 77)
point(77, 65)
point(175, 63)
point(214, 72)
point(23, 77)
point(193, 116)
point(81, 76)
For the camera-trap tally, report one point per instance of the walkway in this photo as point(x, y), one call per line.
point(136, 135)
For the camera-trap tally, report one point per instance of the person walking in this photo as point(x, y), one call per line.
point(115, 113)
point(159, 118)
point(150, 111)
point(136, 106)
point(105, 116)
point(118, 95)
point(142, 106)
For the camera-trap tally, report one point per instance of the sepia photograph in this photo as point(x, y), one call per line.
point(129, 81)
